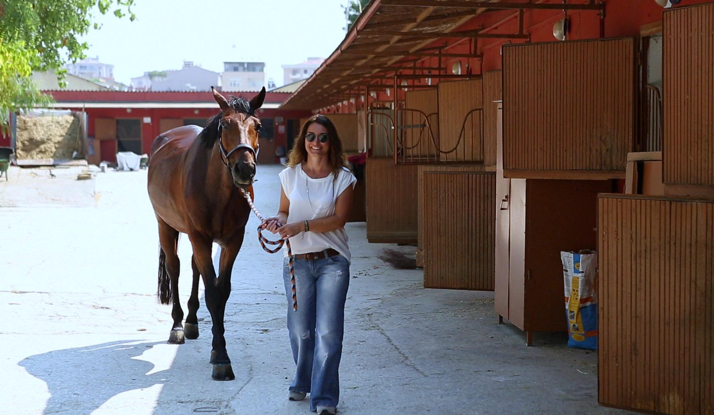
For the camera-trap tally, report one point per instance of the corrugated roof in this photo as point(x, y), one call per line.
point(289, 88)
point(390, 33)
point(47, 81)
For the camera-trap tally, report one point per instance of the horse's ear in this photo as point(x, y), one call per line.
point(257, 100)
point(220, 99)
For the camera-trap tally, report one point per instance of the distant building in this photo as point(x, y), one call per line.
point(289, 88)
point(47, 81)
point(243, 76)
point(91, 68)
point(300, 71)
point(189, 78)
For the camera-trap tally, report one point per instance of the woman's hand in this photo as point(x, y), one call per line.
point(272, 224)
point(291, 229)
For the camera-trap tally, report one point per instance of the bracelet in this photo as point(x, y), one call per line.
point(307, 226)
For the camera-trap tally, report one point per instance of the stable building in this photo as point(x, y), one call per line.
point(500, 133)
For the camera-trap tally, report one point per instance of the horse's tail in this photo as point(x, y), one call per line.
point(163, 293)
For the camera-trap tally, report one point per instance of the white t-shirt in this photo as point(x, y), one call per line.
point(314, 199)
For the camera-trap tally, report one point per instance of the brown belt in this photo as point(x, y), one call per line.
point(314, 256)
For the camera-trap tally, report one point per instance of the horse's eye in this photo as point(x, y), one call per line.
point(257, 127)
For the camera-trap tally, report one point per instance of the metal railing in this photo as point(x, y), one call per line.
point(418, 140)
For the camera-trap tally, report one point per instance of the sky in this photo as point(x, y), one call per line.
point(167, 32)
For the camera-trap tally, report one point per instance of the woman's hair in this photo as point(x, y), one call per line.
point(336, 157)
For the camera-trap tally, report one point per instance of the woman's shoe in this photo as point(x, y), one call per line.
point(326, 410)
point(296, 396)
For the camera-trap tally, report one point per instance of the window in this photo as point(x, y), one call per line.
point(266, 129)
point(129, 135)
point(295, 71)
point(252, 83)
point(234, 82)
point(196, 121)
point(304, 71)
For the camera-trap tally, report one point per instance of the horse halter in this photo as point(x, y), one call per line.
point(238, 147)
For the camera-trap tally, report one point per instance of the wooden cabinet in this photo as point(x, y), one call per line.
point(535, 221)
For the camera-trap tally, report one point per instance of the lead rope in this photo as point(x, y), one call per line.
point(264, 242)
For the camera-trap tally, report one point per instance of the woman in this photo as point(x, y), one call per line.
point(315, 203)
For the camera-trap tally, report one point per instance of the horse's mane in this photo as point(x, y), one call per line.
point(209, 135)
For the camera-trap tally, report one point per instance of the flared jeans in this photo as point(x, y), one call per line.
point(316, 328)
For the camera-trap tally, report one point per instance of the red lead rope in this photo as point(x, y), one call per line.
point(279, 243)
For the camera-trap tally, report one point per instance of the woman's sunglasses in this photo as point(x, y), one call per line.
point(310, 137)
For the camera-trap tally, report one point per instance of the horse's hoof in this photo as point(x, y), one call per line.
point(213, 357)
point(222, 371)
point(190, 330)
point(177, 337)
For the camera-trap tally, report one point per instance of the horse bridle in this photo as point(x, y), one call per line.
point(238, 147)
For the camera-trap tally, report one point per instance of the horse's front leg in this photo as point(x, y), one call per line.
point(218, 290)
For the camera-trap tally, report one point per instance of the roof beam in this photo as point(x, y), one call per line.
point(437, 35)
point(462, 4)
point(416, 54)
point(392, 68)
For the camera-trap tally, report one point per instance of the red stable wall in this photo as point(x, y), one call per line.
point(150, 130)
point(5, 140)
point(623, 18)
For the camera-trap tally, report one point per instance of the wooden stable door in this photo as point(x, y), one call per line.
point(544, 218)
point(535, 221)
point(458, 229)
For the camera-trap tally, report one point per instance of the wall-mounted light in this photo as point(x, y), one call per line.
point(388, 92)
point(456, 68)
point(352, 100)
point(667, 3)
point(561, 28)
point(195, 111)
point(373, 94)
point(128, 110)
point(361, 97)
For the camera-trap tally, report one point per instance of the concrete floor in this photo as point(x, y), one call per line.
point(83, 333)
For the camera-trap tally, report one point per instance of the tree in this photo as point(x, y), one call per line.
point(353, 10)
point(42, 35)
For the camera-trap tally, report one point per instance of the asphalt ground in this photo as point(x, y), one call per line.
point(82, 332)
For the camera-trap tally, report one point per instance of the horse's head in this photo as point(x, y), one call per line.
point(238, 129)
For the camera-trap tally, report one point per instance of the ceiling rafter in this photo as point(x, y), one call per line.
point(474, 34)
point(462, 4)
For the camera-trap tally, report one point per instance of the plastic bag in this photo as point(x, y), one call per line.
point(580, 282)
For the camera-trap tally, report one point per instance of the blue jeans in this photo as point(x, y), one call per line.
point(316, 328)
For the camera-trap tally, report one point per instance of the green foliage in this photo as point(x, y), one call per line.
point(353, 11)
point(157, 74)
point(42, 35)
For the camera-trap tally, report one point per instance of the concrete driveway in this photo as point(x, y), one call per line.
point(82, 332)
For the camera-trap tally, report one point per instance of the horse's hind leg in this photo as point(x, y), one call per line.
point(168, 237)
point(191, 326)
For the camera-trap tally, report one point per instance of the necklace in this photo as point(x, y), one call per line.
point(307, 190)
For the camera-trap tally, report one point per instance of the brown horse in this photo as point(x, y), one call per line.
point(193, 187)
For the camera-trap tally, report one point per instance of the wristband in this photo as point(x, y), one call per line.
point(307, 227)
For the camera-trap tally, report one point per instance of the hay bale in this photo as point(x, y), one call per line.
point(48, 137)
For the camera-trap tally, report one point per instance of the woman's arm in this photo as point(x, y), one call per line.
point(343, 204)
point(274, 223)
